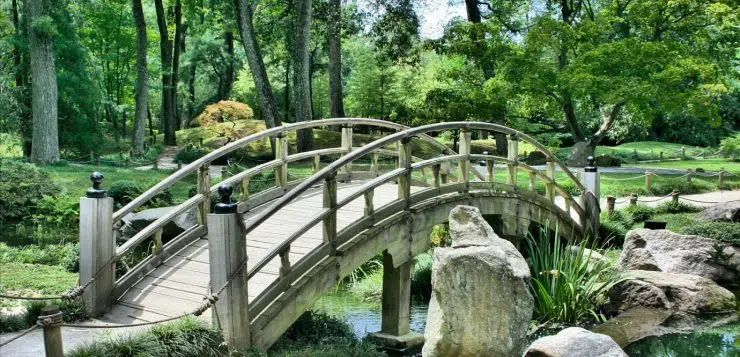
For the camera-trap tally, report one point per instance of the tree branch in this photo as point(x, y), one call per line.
point(607, 121)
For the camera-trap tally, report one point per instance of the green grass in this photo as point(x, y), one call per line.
point(34, 280)
point(645, 150)
point(707, 164)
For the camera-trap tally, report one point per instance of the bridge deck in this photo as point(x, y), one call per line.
point(179, 285)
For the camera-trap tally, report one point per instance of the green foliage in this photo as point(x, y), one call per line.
point(189, 154)
point(22, 188)
point(640, 213)
point(34, 279)
point(187, 337)
point(671, 207)
point(569, 287)
point(614, 227)
point(730, 147)
point(124, 192)
point(718, 256)
point(56, 212)
point(421, 277)
point(65, 255)
point(726, 232)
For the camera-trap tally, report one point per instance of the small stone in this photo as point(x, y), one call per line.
point(575, 342)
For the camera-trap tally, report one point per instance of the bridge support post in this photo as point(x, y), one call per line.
point(227, 250)
point(590, 199)
point(97, 248)
point(395, 333)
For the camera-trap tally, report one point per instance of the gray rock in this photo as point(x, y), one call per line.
point(663, 250)
point(727, 211)
point(480, 304)
point(575, 342)
point(680, 292)
point(133, 223)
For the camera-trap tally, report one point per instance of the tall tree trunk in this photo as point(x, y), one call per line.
point(151, 123)
point(334, 44)
point(256, 64)
point(179, 36)
point(286, 95)
point(142, 80)
point(190, 108)
point(227, 81)
point(302, 79)
point(20, 82)
point(165, 48)
point(45, 146)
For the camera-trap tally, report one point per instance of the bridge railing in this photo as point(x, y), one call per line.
point(402, 175)
point(201, 201)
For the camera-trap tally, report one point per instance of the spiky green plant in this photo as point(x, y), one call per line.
point(569, 286)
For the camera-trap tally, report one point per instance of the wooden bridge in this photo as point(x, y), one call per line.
point(262, 259)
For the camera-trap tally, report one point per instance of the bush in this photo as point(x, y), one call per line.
point(223, 111)
point(72, 310)
point(186, 337)
point(639, 213)
point(567, 285)
point(65, 255)
point(124, 192)
point(726, 232)
point(614, 227)
point(730, 147)
point(22, 187)
point(189, 154)
point(676, 207)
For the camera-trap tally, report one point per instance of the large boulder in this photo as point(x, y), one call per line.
point(480, 304)
point(663, 250)
point(575, 342)
point(679, 292)
point(135, 222)
point(726, 211)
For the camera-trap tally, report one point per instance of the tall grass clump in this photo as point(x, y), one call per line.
point(568, 286)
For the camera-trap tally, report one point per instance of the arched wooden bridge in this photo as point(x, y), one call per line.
point(303, 236)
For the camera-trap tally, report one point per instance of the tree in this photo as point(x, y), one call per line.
point(334, 45)
point(256, 63)
point(45, 146)
point(175, 79)
point(302, 77)
point(142, 79)
point(165, 48)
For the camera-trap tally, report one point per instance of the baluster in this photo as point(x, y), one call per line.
point(284, 262)
point(549, 186)
point(330, 222)
point(374, 162)
point(316, 163)
point(158, 240)
point(203, 187)
point(465, 139)
point(404, 161)
point(224, 173)
point(347, 146)
point(369, 205)
point(435, 173)
point(281, 154)
point(245, 189)
point(445, 174)
point(512, 156)
point(532, 176)
point(489, 171)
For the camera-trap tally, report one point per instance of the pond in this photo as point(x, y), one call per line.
point(364, 317)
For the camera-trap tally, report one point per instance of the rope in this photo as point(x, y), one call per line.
point(622, 179)
point(25, 332)
point(711, 202)
point(655, 200)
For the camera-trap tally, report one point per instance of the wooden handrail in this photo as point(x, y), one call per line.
point(208, 158)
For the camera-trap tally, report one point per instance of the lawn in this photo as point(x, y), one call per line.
point(33, 280)
point(706, 164)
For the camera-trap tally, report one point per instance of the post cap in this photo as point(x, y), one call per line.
point(225, 206)
point(95, 191)
point(590, 164)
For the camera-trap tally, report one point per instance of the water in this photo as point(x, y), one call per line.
point(364, 316)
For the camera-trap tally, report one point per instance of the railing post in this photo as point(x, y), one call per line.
point(513, 151)
point(674, 197)
point(465, 140)
point(330, 222)
point(489, 171)
point(633, 199)
point(374, 162)
point(611, 202)
point(179, 165)
point(445, 172)
point(683, 153)
point(721, 178)
point(404, 161)
point(590, 198)
point(281, 153)
point(284, 262)
point(244, 189)
point(435, 173)
point(51, 319)
point(347, 146)
point(369, 205)
point(532, 176)
point(648, 180)
point(549, 186)
point(227, 251)
point(204, 188)
point(97, 247)
point(316, 164)
point(688, 176)
point(224, 173)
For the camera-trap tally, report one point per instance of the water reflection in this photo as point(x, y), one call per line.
point(364, 316)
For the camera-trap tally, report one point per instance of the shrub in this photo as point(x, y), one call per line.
point(614, 227)
point(671, 207)
point(729, 147)
point(65, 255)
point(187, 337)
point(71, 311)
point(225, 110)
point(640, 213)
point(726, 232)
point(56, 212)
point(189, 154)
point(125, 191)
point(567, 285)
point(22, 187)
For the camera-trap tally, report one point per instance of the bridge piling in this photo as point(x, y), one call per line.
point(97, 247)
point(227, 249)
